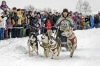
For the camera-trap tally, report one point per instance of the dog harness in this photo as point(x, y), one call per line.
point(72, 40)
point(46, 45)
point(53, 49)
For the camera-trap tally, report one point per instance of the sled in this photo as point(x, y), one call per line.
point(62, 26)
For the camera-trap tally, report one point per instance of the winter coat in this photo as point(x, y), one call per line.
point(87, 20)
point(3, 23)
point(9, 24)
point(43, 18)
point(33, 21)
point(83, 24)
point(55, 19)
point(1, 12)
point(48, 25)
point(3, 20)
point(3, 6)
point(96, 20)
point(63, 26)
point(20, 16)
point(51, 20)
point(14, 18)
point(92, 22)
point(87, 23)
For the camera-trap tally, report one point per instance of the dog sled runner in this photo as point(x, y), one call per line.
point(62, 26)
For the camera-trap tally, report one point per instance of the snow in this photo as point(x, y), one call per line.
point(13, 52)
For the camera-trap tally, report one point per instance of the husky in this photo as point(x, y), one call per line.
point(71, 40)
point(55, 46)
point(45, 44)
point(33, 43)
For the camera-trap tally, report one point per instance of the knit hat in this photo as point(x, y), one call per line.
point(65, 10)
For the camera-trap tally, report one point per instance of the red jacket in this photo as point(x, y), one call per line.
point(48, 25)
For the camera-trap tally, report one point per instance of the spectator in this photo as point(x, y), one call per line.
point(4, 5)
point(83, 24)
point(28, 16)
point(48, 27)
point(51, 19)
point(87, 22)
point(43, 19)
point(56, 17)
point(19, 14)
point(2, 25)
point(9, 24)
point(96, 21)
point(5, 14)
point(92, 21)
point(15, 23)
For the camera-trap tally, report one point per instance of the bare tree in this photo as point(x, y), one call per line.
point(49, 9)
point(54, 11)
point(44, 9)
point(30, 8)
point(79, 6)
point(83, 7)
point(86, 8)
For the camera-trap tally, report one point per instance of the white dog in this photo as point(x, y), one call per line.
point(71, 40)
point(32, 43)
point(55, 46)
point(45, 44)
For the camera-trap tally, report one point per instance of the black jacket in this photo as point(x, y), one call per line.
point(33, 21)
point(51, 19)
point(55, 19)
point(96, 20)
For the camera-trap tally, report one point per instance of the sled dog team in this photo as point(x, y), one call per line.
point(52, 45)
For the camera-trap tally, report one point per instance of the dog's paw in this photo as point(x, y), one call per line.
point(37, 53)
point(57, 55)
point(71, 56)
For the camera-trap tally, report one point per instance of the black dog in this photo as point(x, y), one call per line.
point(33, 43)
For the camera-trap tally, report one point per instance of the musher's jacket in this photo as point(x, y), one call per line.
point(63, 23)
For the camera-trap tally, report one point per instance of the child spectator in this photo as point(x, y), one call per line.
point(48, 27)
point(83, 24)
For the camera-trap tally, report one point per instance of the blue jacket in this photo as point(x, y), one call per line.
point(43, 18)
point(33, 21)
point(92, 21)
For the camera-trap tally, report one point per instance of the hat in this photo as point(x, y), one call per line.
point(14, 8)
point(38, 12)
point(35, 12)
point(65, 10)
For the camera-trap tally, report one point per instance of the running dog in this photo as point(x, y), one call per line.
point(45, 44)
point(32, 43)
point(71, 40)
point(55, 46)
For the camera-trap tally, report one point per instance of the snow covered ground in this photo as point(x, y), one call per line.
point(13, 52)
